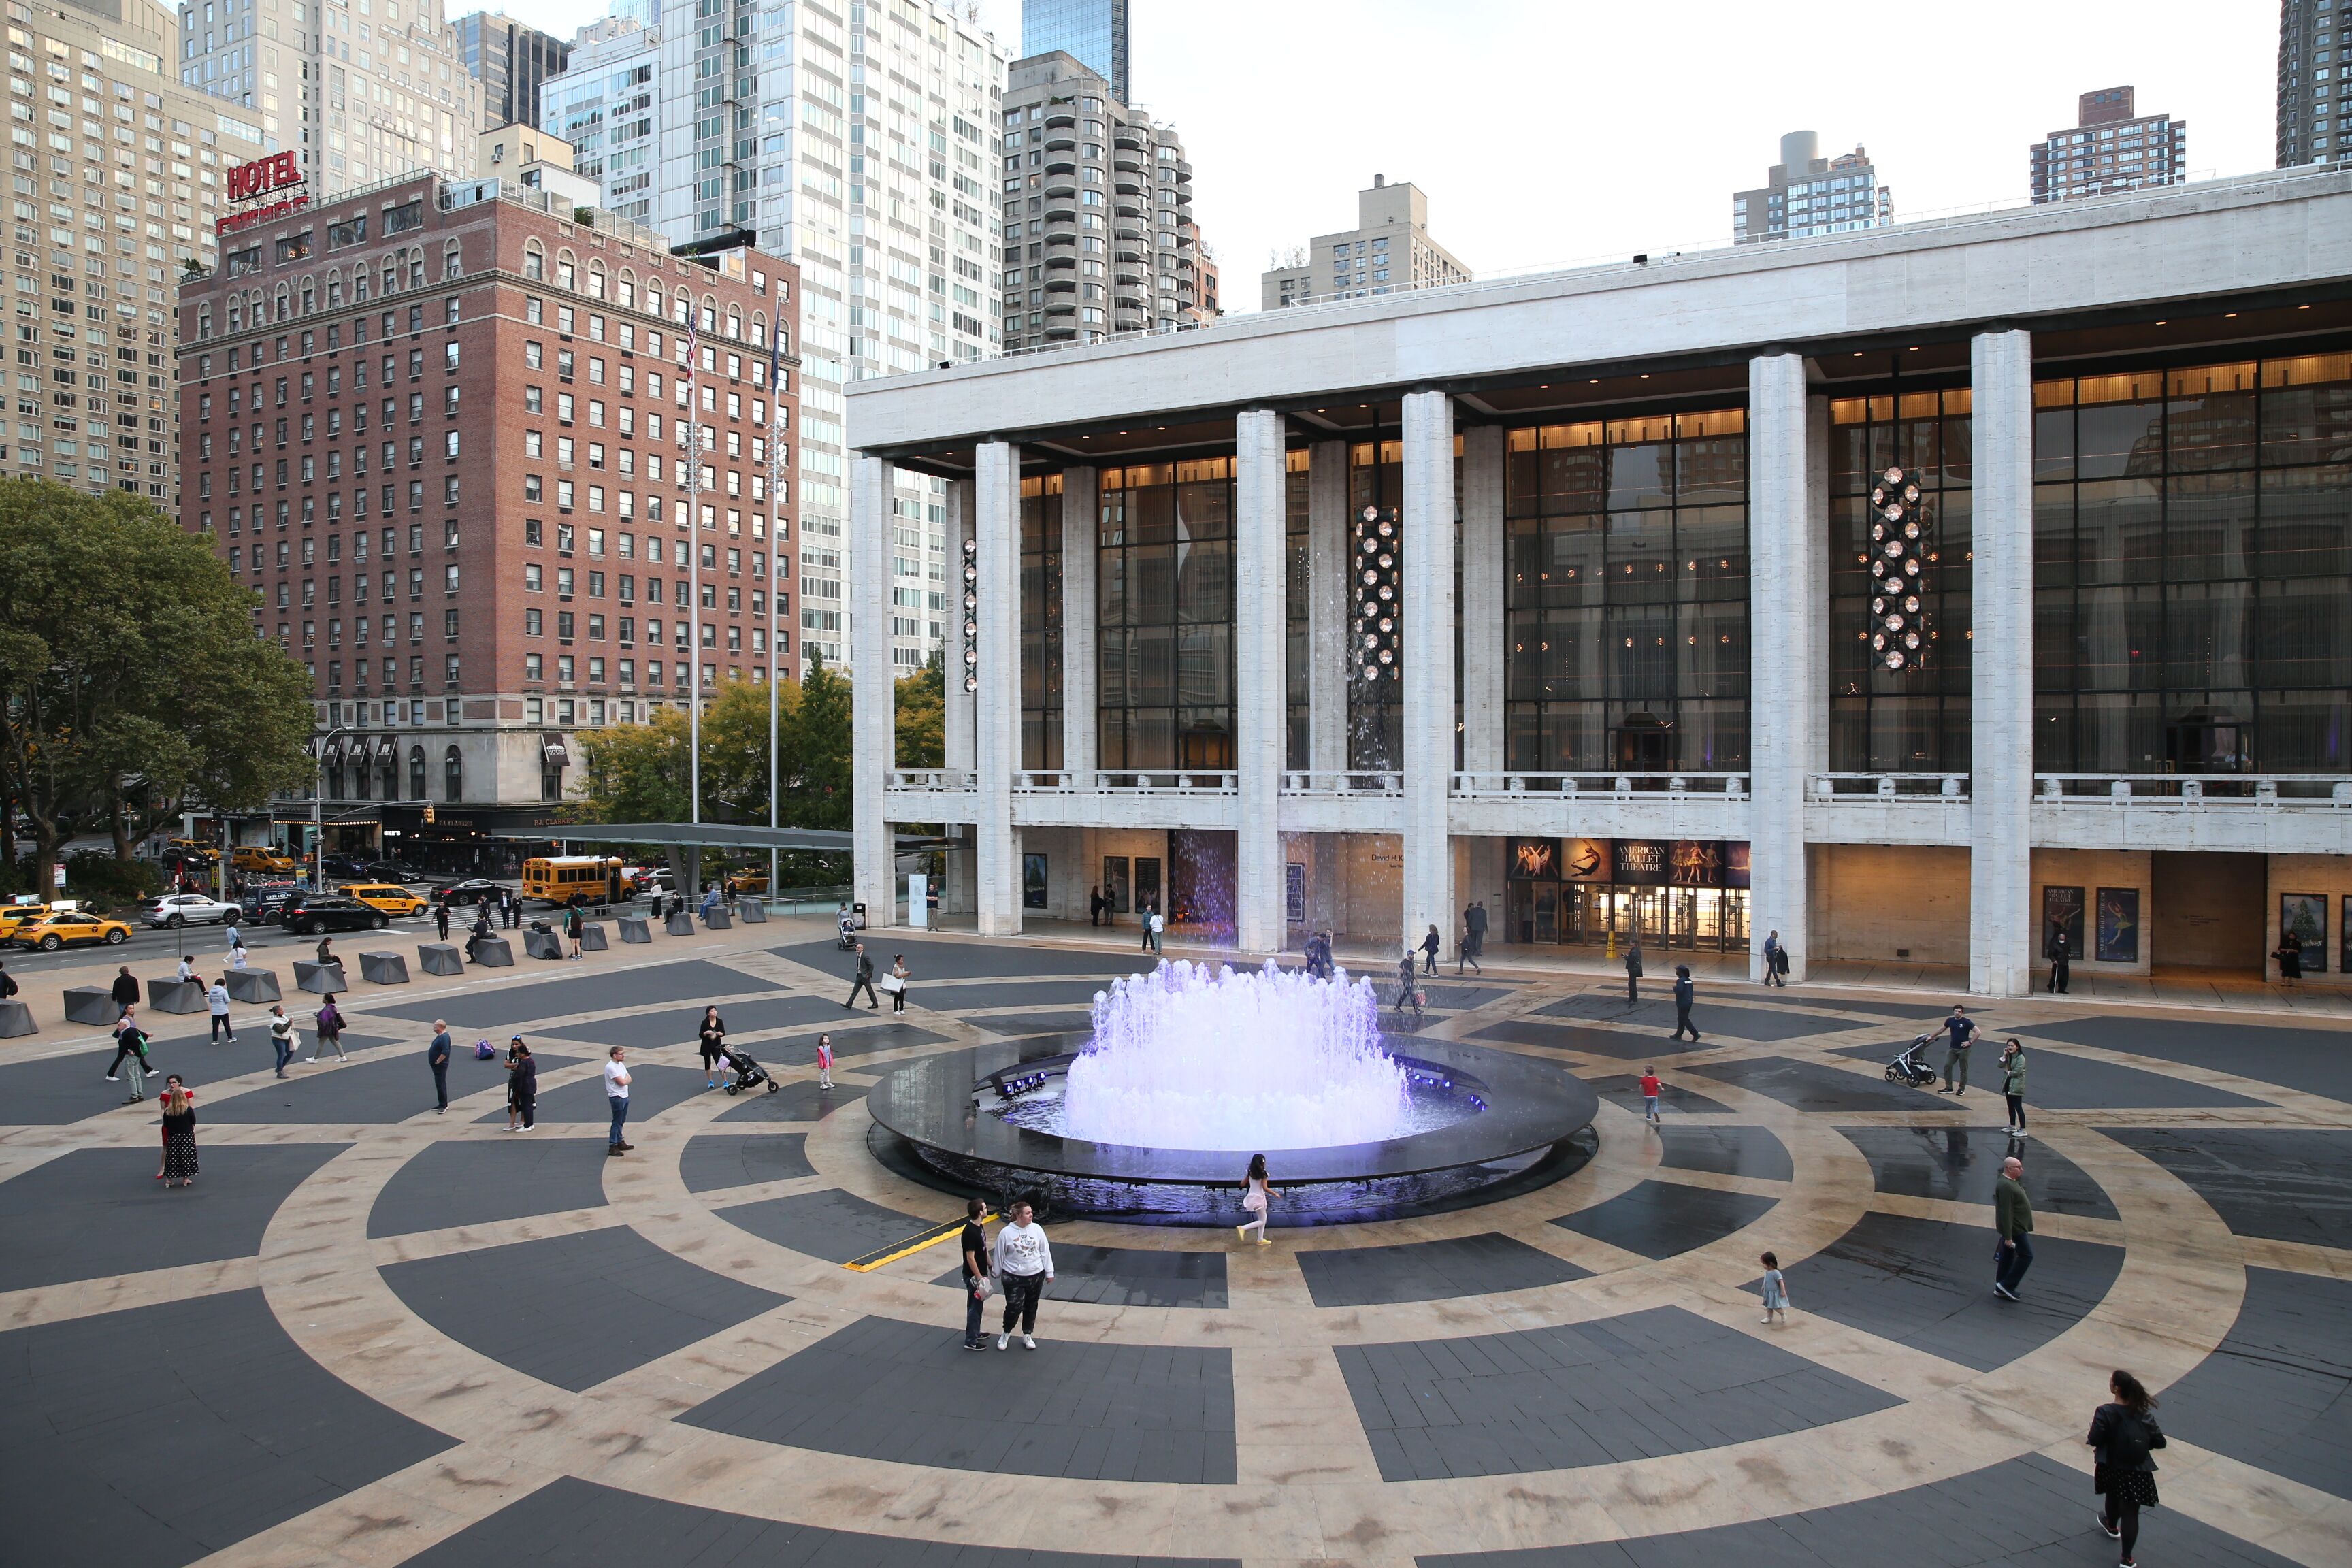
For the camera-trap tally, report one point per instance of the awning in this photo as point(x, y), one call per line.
point(332, 756)
point(552, 754)
point(387, 749)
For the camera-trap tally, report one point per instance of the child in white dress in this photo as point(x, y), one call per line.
point(1255, 1193)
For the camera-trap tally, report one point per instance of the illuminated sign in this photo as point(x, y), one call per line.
point(263, 175)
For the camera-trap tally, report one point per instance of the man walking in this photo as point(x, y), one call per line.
point(1634, 972)
point(2060, 960)
point(2012, 1216)
point(436, 1056)
point(864, 982)
point(125, 992)
point(1143, 914)
point(1963, 1032)
point(616, 1095)
point(1684, 991)
point(1776, 961)
point(973, 1245)
point(441, 919)
point(130, 1040)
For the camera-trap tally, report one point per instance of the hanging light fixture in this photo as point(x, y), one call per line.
point(1379, 596)
point(972, 614)
point(1899, 558)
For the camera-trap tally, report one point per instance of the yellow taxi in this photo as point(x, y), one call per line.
point(15, 915)
point(747, 879)
point(70, 928)
point(262, 857)
point(391, 898)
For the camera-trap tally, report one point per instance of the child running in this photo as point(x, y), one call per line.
point(1651, 1089)
point(1255, 1195)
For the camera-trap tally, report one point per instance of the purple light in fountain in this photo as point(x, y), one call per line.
point(1191, 1057)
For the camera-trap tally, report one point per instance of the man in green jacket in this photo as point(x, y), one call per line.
point(2012, 1216)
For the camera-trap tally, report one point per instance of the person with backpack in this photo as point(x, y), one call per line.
point(2123, 1435)
point(330, 1019)
point(130, 1040)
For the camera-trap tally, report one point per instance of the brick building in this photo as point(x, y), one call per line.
point(441, 431)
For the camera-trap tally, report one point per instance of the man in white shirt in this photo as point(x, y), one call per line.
point(216, 1002)
point(1022, 1259)
point(616, 1095)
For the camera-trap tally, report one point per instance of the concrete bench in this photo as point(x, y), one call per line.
point(719, 920)
point(752, 913)
point(440, 958)
point(90, 1005)
point(175, 995)
point(592, 938)
point(319, 979)
point(384, 968)
point(494, 953)
point(541, 944)
point(15, 1019)
point(679, 925)
point(253, 985)
point(635, 929)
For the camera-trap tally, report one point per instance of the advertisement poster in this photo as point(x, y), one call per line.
point(1643, 860)
point(2305, 914)
point(1114, 883)
point(2061, 909)
point(1535, 859)
point(1589, 860)
point(1734, 864)
point(2119, 925)
point(918, 907)
point(1696, 863)
point(1032, 881)
point(1294, 892)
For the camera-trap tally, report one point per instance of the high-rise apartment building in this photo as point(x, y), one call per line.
point(449, 437)
point(1805, 194)
point(1098, 234)
point(1092, 32)
point(603, 104)
point(1204, 305)
point(1389, 250)
point(2314, 102)
point(2109, 148)
point(121, 181)
point(361, 90)
point(510, 60)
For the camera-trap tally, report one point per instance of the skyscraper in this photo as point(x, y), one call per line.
point(1805, 194)
point(1092, 32)
point(2109, 149)
point(2315, 115)
point(1389, 250)
point(510, 60)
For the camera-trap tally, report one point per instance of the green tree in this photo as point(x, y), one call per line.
point(638, 772)
point(922, 709)
point(817, 791)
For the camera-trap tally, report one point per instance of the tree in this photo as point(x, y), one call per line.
point(638, 772)
point(818, 794)
point(922, 707)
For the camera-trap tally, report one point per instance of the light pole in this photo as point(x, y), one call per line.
point(776, 563)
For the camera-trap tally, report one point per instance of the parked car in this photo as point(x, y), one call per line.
point(187, 909)
point(263, 902)
point(311, 914)
point(71, 928)
point(472, 890)
point(391, 871)
point(345, 867)
point(391, 898)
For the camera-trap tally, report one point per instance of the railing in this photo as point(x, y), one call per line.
point(1163, 782)
point(1375, 781)
point(929, 778)
point(1887, 787)
point(2195, 789)
point(1675, 786)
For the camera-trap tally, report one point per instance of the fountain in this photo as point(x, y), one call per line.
point(1191, 1069)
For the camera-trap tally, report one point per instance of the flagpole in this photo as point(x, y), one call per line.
point(775, 561)
point(694, 570)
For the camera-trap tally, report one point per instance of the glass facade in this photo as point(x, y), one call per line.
point(1914, 720)
point(1041, 623)
point(2193, 569)
point(1164, 583)
point(1626, 595)
point(1295, 554)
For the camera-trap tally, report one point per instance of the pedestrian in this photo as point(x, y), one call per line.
point(863, 981)
point(326, 949)
point(1093, 906)
point(1651, 1089)
point(1776, 1291)
point(571, 928)
point(1430, 945)
point(330, 1020)
point(1408, 991)
point(932, 902)
point(1143, 919)
point(825, 1061)
point(1634, 972)
point(130, 1040)
point(2124, 1435)
point(179, 1106)
point(1024, 1260)
point(236, 948)
point(1255, 1195)
point(2290, 956)
point(284, 1036)
point(216, 1003)
point(712, 1031)
point(616, 1095)
point(2013, 1084)
point(1158, 930)
point(2012, 1216)
point(971, 1245)
point(1962, 1030)
point(125, 992)
point(1684, 992)
point(441, 919)
point(1469, 953)
point(2061, 960)
point(1776, 961)
point(7, 983)
point(522, 1086)
point(895, 984)
point(436, 1056)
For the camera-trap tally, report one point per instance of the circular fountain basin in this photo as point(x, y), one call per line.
point(985, 1118)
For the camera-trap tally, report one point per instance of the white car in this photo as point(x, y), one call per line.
point(188, 909)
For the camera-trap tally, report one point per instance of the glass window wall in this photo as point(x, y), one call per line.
point(1041, 623)
point(1165, 593)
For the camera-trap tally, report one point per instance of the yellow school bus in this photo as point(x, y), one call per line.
point(563, 880)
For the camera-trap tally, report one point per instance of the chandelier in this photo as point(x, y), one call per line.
point(1899, 558)
point(1378, 592)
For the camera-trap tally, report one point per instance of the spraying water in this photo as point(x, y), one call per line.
point(1191, 1057)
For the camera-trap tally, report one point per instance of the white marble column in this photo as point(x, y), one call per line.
point(1785, 691)
point(996, 714)
point(1081, 523)
point(1486, 634)
point(1260, 513)
point(956, 722)
point(1327, 606)
point(873, 715)
point(1428, 592)
point(2001, 692)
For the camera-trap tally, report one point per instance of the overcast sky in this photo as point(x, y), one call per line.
point(1552, 131)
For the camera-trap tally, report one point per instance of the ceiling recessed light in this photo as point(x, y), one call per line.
point(1915, 348)
point(2164, 323)
point(1646, 376)
point(2229, 315)
point(2303, 306)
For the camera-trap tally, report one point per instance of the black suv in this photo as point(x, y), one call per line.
point(310, 914)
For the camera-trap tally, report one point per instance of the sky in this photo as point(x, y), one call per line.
point(1549, 133)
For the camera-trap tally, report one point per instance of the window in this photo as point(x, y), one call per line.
point(453, 765)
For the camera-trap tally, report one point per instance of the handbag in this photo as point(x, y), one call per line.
point(891, 983)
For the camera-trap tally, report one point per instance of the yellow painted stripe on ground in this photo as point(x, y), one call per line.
point(912, 1245)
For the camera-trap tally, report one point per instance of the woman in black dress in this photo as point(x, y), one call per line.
point(2122, 1435)
point(523, 1086)
point(178, 1134)
point(712, 1031)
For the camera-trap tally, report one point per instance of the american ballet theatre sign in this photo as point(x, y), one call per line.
point(280, 172)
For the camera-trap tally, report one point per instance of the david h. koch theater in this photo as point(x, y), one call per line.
point(1917, 593)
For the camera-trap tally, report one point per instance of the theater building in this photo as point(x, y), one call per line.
point(1914, 593)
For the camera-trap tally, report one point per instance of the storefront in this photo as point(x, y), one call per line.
point(1668, 893)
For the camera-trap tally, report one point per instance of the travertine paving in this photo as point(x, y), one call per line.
point(372, 1334)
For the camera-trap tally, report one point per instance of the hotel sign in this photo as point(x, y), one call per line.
point(280, 172)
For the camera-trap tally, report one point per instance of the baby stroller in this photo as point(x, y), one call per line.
point(749, 1074)
point(1909, 1069)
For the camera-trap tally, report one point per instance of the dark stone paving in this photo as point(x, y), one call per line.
point(1034, 993)
point(968, 960)
point(1129, 1276)
point(1659, 1219)
point(2281, 1184)
point(1626, 1091)
point(801, 1101)
point(855, 1039)
point(2318, 1061)
point(54, 1090)
point(477, 1182)
point(1961, 1164)
point(2030, 1512)
point(653, 1089)
point(1814, 1002)
point(389, 1088)
point(1929, 1284)
point(151, 1438)
point(832, 1225)
point(1726, 1151)
point(1708, 1016)
point(2277, 1394)
point(909, 1394)
point(578, 1524)
point(682, 1026)
point(2057, 1081)
point(98, 1212)
point(574, 1311)
point(1430, 1270)
point(1614, 1043)
point(1646, 1383)
point(1080, 1024)
point(690, 980)
point(1810, 1086)
point(715, 1162)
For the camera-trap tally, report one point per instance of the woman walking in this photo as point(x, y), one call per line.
point(2013, 1084)
point(2122, 1436)
point(282, 1035)
point(1254, 1194)
point(898, 982)
point(1024, 1260)
point(330, 1019)
point(713, 1033)
point(179, 1167)
point(1429, 948)
point(523, 1086)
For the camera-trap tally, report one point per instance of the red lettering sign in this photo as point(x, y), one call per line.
point(263, 175)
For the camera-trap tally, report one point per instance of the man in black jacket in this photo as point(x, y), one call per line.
point(125, 992)
point(1684, 991)
point(864, 982)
